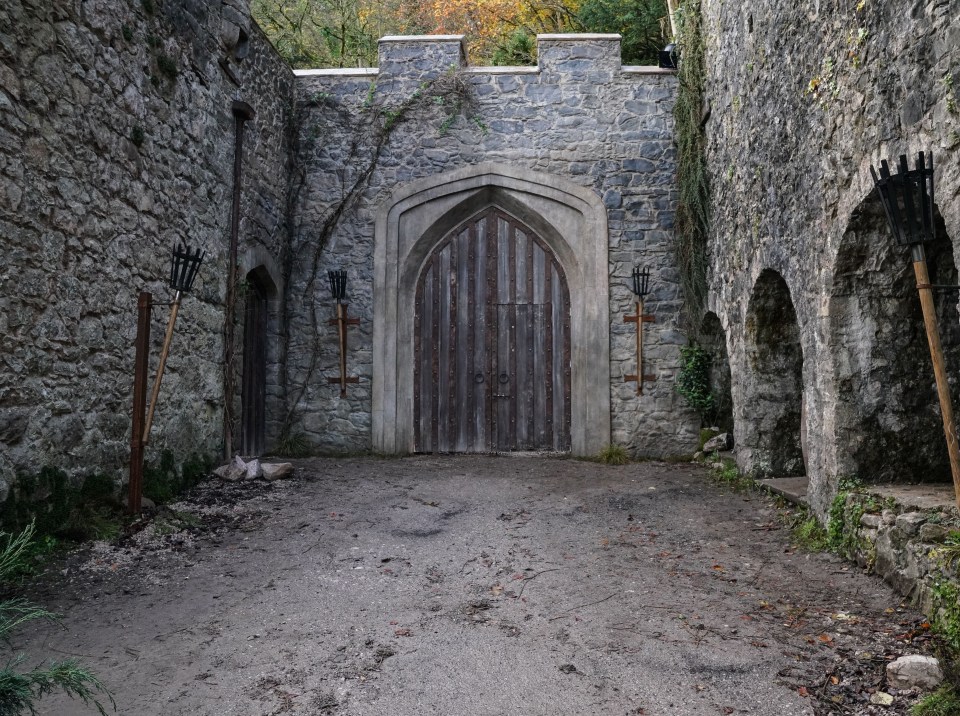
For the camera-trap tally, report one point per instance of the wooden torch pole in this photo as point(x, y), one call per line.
point(174, 309)
point(939, 367)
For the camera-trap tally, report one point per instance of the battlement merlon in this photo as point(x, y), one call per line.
point(420, 57)
point(589, 58)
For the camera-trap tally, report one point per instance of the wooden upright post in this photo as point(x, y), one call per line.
point(639, 319)
point(342, 322)
point(141, 368)
point(939, 367)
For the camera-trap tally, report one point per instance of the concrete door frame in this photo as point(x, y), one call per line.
point(570, 218)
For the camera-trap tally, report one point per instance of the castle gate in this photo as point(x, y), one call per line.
point(492, 341)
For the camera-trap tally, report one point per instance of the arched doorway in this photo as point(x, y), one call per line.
point(888, 418)
point(259, 289)
point(771, 415)
point(713, 340)
point(570, 219)
point(492, 341)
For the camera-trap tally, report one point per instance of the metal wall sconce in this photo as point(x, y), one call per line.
point(907, 198)
point(338, 289)
point(641, 287)
point(669, 57)
point(184, 266)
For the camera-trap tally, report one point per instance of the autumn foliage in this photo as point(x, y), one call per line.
point(344, 33)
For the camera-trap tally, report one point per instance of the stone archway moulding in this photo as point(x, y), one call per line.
point(570, 218)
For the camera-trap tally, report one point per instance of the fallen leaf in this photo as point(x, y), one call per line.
point(834, 680)
point(803, 691)
point(825, 638)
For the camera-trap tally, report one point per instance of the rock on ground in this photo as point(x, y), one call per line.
point(915, 671)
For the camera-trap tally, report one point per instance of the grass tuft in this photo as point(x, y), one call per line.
point(613, 455)
point(945, 701)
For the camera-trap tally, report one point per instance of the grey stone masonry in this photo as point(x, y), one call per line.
point(116, 140)
point(803, 99)
point(577, 125)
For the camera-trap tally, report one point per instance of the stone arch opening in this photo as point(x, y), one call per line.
point(713, 339)
point(772, 412)
point(888, 418)
point(571, 221)
point(259, 375)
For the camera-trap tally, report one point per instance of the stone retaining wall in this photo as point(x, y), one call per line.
point(819, 308)
point(116, 141)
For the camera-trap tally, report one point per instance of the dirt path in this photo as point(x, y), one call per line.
point(474, 586)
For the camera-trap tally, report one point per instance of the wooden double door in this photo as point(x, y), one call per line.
point(492, 334)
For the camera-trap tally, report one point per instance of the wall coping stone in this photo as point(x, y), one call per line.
point(482, 70)
point(337, 71)
point(578, 37)
point(422, 38)
point(503, 70)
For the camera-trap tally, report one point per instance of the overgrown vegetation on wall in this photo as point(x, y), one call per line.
point(55, 507)
point(442, 99)
point(693, 204)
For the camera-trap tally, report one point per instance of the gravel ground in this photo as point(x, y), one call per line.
point(475, 585)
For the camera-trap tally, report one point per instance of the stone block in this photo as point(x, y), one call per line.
point(933, 533)
point(915, 672)
point(910, 522)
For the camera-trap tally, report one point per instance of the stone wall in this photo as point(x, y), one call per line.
point(803, 99)
point(578, 122)
point(116, 141)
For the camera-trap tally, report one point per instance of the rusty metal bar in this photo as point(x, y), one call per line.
point(242, 112)
point(141, 368)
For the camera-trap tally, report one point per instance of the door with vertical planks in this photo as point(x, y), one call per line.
point(492, 333)
point(253, 395)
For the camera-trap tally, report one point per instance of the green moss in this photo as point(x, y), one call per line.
point(705, 434)
point(167, 67)
point(945, 701)
point(809, 535)
point(945, 618)
point(163, 481)
point(843, 527)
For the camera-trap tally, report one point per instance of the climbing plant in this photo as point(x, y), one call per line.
point(693, 380)
point(692, 222)
point(442, 99)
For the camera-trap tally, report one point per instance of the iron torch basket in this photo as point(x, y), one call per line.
point(907, 198)
point(184, 265)
point(641, 281)
point(338, 284)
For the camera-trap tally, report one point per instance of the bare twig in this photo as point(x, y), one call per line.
point(581, 606)
point(524, 585)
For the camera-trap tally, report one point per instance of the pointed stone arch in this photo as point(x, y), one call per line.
point(570, 220)
point(887, 412)
point(260, 392)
